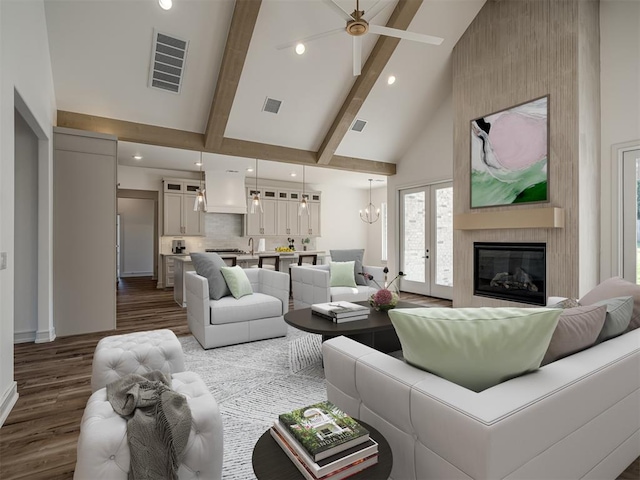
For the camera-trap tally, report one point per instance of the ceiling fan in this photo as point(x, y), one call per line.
point(358, 25)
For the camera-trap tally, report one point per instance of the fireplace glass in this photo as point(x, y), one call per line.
point(511, 271)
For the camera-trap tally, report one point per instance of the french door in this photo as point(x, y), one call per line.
point(426, 240)
point(630, 215)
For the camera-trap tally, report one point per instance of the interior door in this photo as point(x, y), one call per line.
point(630, 215)
point(426, 244)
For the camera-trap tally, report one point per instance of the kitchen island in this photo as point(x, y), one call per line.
point(183, 264)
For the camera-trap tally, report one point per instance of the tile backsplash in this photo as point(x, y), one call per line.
point(225, 230)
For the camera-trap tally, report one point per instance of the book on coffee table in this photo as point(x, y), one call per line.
point(337, 467)
point(342, 319)
point(339, 310)
point(323, 430)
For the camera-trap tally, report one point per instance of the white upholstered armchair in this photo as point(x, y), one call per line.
point(230, 320)
point(311, 284)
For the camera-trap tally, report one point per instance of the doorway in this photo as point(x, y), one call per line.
point(630, 215)
point(137, 242)
point(426, 240)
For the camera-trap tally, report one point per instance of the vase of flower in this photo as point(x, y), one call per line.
point(383, 300)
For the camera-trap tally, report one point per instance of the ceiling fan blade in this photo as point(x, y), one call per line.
point(357, 56)
point(416, 37)
point(310, 38)
point(339, 10)
point(375, 9)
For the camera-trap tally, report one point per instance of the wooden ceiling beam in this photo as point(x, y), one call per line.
point(133, 132)
point(385, 46)
point(245, 15)
point(169, 137)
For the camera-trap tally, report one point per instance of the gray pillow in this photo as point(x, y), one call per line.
point(616, 287)
point(619, 312)
point(566, 303)
point(578, 328)
point(208, 265)
point(353, 255)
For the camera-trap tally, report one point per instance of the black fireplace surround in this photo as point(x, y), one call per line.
point(510, 271)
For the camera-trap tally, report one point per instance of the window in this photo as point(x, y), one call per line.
point(383, 219)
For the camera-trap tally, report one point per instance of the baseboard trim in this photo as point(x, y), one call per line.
point(45, 336)
point(9, 399)
point(24, 337)
point(136, 274)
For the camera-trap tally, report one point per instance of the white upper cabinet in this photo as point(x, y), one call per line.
point(179, 200)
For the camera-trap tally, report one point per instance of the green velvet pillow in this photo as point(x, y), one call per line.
point(237, 281)
point(342, 274)
point(476, 348)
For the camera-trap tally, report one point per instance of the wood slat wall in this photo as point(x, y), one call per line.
point(515, 51)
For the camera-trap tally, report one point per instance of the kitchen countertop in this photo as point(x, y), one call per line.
point(256, 256)
point(174, 254)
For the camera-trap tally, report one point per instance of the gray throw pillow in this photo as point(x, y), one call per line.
point(208, 265)
point(578, 328)
point(353, 255)
point(619, 312)
point(616, 287)
point(566, 303)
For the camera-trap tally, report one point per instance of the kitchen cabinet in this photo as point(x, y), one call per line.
point(310, 224)
point(266, 222)
point(280, 214)
point(288, 221)
point(179, 216)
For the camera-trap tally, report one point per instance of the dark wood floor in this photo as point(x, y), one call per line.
point(38, 439)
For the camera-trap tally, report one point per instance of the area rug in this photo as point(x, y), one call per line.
point(253, 383)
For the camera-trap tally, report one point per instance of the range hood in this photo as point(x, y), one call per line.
point(225, 192)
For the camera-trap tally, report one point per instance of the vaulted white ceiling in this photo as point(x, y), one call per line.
point(100, 51)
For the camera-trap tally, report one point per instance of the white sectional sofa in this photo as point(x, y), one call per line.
point(311, 284)
point(578, 417)
point(215, 323)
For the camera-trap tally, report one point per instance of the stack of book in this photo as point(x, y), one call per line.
point(324, 442)
point(340, 311)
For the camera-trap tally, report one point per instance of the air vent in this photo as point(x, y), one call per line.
point(358, 125)
point(168, 55)
point(271, 105)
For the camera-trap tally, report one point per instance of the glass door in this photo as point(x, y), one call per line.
point(630, 215)
point(426, 244)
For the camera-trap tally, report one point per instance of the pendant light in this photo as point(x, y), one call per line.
point(303, 206)
point(256, 204)
point(200, 204)
point(371, 214)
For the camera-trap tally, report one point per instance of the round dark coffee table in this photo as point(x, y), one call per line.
point(271, 463)
point(376, 331)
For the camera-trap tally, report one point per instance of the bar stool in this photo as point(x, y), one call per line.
point(307, 258)
point(272, 262)
point(231, 260)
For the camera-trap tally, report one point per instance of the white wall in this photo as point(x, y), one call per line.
point(341, 224)
point(136, 236)
point(373, 250)
point(25, 232)
point(26, 68)
point(620, 110)
point(428, 160)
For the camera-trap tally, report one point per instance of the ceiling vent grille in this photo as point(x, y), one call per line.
point(271, 105)
point(358, 125)
point(168, 55)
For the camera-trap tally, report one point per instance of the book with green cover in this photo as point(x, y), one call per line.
point(322, 429)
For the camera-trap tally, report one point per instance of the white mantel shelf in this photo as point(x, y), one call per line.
point(548, 217)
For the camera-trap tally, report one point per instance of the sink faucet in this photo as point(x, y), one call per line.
point(251, 245)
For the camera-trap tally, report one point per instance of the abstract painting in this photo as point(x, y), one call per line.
point(509, 155)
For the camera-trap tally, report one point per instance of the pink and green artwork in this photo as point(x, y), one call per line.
point(509, 155)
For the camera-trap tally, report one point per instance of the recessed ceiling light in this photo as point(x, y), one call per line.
point(198, 164)
point(250, 169)
point(165, 4)
point(137, 157)
point(391, 80)
point(293, 174)
point(300, 48)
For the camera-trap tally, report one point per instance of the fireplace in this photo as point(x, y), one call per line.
point(510, 271)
